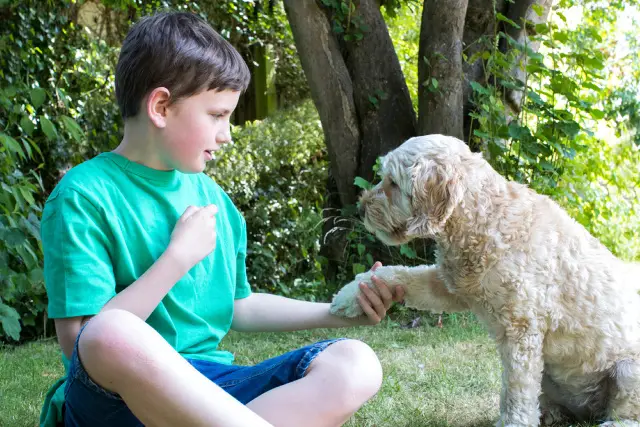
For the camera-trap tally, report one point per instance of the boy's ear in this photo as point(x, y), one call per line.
point(157, 104)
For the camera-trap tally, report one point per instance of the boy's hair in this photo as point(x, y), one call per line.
point(179, 51)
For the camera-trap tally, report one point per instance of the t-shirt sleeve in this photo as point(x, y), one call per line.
point(78, 270)
point(243, 289)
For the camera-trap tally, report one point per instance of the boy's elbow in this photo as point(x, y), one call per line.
point(242, 313)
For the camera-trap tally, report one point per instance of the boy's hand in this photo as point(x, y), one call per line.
point(375, 302)
point(194, 235)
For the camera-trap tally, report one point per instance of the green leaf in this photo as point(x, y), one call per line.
point(10, 91)
point(592, 86)
point(503, 18)
point(72, 126)
point(369, 259)
point(561, 36)
point(569, 128)
point(27, 125)
point(10, 320)
point(541, 28)
point(362, 183)
point(48, 128)
point(519, 132)
point(27, 194)
point(477, 87)
point(11, 144)
point(358, 268)
point(596, 114)
point(38, 96)
point(434, 82)
point(408, 252)
point(14, 238)
point(361, 249)
point(538, 9)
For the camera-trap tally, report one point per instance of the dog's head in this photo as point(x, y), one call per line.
point(423, 181)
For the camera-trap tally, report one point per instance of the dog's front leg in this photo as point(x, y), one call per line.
point(424, 290)
point(522, 364)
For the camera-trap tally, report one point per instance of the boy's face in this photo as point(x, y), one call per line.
point(196, 127)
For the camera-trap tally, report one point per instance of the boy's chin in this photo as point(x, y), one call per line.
point(194, 168)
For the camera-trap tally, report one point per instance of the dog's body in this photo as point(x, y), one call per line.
point(563, 310)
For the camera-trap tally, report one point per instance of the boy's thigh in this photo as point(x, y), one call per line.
point(89, 405)
point(245, 383)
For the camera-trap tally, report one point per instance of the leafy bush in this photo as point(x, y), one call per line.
point(275, 172)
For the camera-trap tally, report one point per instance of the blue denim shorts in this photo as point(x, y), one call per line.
point(89, 405)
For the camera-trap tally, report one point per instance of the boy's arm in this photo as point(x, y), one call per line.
point(271, 313)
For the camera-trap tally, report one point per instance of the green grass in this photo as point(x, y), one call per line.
point(432, 377)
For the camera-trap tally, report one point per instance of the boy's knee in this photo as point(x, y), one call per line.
point(356, 367)
point(110, 344)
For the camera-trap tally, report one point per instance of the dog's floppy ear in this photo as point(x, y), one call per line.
point(436, 191)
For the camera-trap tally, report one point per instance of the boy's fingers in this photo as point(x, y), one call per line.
point(208, 211)
point(370, 312)
point(398, 294)
point(374, 299)
point(383, 290)
point(189, 211)
point(211, 209)
point(376, 265)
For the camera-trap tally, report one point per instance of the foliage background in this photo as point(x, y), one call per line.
point(575, 139)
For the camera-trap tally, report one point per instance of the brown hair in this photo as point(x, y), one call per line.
point(179, 51)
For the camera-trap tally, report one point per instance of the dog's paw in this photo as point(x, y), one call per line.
point(345, 302)
point(552, 415)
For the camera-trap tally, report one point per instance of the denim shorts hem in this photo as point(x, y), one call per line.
point(312, 353)
point(80, 373)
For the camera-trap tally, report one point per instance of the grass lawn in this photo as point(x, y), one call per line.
point(433, 377)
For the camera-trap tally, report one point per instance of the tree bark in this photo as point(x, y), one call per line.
point(440, 75)
point(331, 90)
point(479, 24)
point(385, 112)
point(523, 14)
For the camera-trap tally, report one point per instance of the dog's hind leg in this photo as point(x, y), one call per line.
point(624, 403)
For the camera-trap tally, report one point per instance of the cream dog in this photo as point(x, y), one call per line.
point(564, 311)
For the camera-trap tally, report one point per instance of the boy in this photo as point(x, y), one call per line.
point(145, 265)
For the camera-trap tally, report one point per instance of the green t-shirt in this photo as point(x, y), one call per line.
point(107, 222)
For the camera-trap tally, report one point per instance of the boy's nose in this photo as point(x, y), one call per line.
point(224, 137)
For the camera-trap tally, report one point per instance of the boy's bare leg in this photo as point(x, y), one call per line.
point(338, 382)
point(123, 354)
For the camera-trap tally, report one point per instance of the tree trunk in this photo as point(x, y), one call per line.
point(523, 14)
point(362, 98)
point(440, 75)
point(331, 89)
point(385, 113)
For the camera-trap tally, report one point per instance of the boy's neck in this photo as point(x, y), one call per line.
point(140, 145)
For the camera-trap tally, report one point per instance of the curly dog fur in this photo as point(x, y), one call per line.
point(564, 311)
